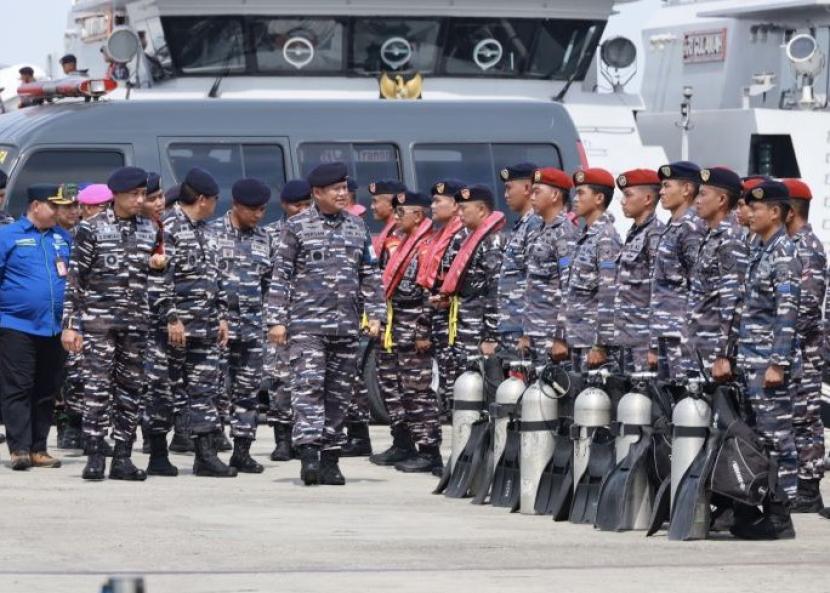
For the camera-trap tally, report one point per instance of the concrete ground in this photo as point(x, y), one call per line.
point(383, 531)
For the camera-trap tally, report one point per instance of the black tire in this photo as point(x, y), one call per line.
point(377, 407)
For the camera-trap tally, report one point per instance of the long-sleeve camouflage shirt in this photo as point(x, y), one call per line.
point(324, 276)
point(677, 250)
point(245, 265)
point(411, 311)
point(589, 310)
point(813, 281)
point(513, 273)
point(773, 285)
point(716, 292)
point(478, 290)
point(634, 266)
point(109, 275)
point(549, 258)
point(193, 292)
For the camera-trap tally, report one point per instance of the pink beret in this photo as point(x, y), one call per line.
point(97, 193)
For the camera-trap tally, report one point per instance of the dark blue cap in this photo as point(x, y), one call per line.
point(447, 187)
point(412, 198)
point(43, 192)
point(250, 192)
point(296, 190)
point(721, 177)
point(475, 193)
point(351, 184)
point(201, 182)
point(4, 179)
point(518, 171)
point(328, 174)
point(153, 182)
point(682, 170)
point(127, 179)
point(386, 186)
point(69, 58)
point(171, 196)
point(768, 192)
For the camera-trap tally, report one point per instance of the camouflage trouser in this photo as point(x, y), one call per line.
point(772, 418)
point(634, 359)
point(359, 404)
point(450, 364)
point(223, 399)
point(324, 368)
point(245, 375)
point(113, 367)
point(278, 367)
point(200, 383)
point(807, 426)
point(158, 399)
point(405, 383)
point(673, 359)
point(72, 392)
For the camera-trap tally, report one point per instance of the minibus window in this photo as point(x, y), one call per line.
point(544, 155)
point(367, 162)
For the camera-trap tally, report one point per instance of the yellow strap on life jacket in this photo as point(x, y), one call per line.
point(453, 333)
point(387, 335)
point(364, 321)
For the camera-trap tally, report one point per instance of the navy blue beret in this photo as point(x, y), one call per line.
point(721, 177)
point(328, 174)
point(250, 192)
point(351, 185)
point(412, 198)
point(296, 190)
point(127, 179)
point(153, 182)
point(475, 193)
point(69, 58)
point(42, 192)
point(4, 179)
point(518, 171)
point(682, 170)
point(386, 186)
point(769, 192)
point(202, 182)
point(447, 187)
point(171, 196)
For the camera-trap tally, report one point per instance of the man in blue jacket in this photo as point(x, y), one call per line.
point(34, 253)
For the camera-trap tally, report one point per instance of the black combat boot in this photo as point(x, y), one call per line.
point(282, 441)
point(221, 442)
point(310, 459)
point(146, 447)
point(181, 443)
point(428, 460)
point(159, 464)
point(330, 474)
point(808, 497)
point(72, 436)
point(774, 524)
point(207, 462)
point(402, 448)
point(359, 443)
point(241, 458)
point(122, 467)
point(96, 463)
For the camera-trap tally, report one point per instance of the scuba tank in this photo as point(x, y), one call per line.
point(507, 395)
point(540, 413)
point(633, 413)
point(468, 403)
point(691, 420)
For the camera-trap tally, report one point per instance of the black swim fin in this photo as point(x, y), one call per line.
point(600, 463)
point(626, 495)
point(507, 480)
point(690, 513)
point(662, 507)
point(444, 481)
point(554, 475)
point(468, 466)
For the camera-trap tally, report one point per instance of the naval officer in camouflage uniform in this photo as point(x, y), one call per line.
point(245, 264)
point(768, 352)
point(195, 307)
point(589, 306)
point(324, 276)
point(640, 190)
point(718, 274)
point(106, 313)
point(807, 424)
point(549, 257)
point(294, 198)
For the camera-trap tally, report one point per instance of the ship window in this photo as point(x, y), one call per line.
point(297, 45)
point(563, 47)
point(204, 45)
point(497, 47)
point(391, 45)
point(772, 155)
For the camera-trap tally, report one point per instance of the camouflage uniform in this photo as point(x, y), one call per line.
point(588, 314)
point(716, 293)
point(513, 279)
point(195, 297)
point(5, 218)
point(631, 303)
point(549, 256)
point(277, 364)
point(806, 393)
point(768, 337)
point(106, 300)
point(677, 250)
point(245, 262)
point(324, 265)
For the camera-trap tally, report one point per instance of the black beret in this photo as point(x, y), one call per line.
point(69, 58)
point(412, 198)
point(250, 192)
point(518, 171)
point(296, 190)
point(127, 179)
point(42, 192)
point(475, 193)
point(4, 179)
point(387, 186)
point(328, 174)
point(171, 196)
point(351, 185)
point(682, 170)
point(153, 182)
point(447, 187)
point(769, 192)
point(202, 182)
point(27, 70)
point(721, 177)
